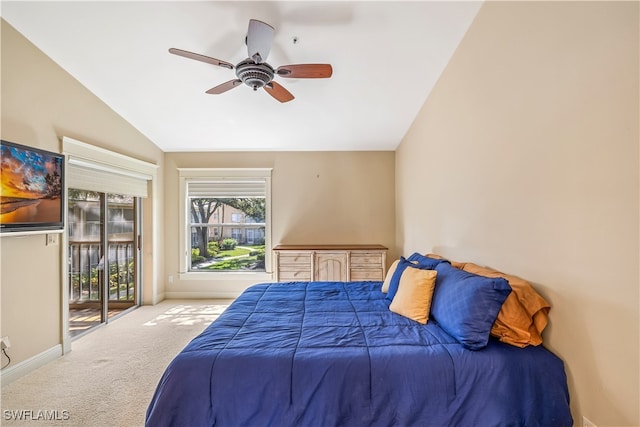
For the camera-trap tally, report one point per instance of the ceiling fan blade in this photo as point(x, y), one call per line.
point(278, 92)
point(305, 71)
point(259, 40)
point(203, 58)
point(224, 87)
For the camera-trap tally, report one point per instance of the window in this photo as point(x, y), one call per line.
point(225, 219)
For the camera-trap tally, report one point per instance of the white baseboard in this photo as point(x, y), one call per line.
point(158, 298)
point(153, 300)
point(12, 373)
point(203, 295)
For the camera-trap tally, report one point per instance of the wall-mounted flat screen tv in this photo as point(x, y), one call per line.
point(32, 193)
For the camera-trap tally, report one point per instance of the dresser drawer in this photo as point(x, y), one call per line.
point(366, 260)
point(294, 259)
point(374, 274)
point(294, 275)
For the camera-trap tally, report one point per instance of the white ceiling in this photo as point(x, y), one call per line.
point(386, 57)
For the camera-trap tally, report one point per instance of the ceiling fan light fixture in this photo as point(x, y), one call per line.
point(254, 75)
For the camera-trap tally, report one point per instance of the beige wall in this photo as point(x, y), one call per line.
point(317, 197)
point(525, 158)
point(40, 104)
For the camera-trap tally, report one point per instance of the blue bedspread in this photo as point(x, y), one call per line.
point(332, 354)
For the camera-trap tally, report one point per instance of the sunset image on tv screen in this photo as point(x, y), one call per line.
point(31, 187)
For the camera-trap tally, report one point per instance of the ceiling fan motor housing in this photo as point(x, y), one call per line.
point(254, 75)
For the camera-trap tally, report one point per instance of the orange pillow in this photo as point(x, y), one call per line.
point(524, 314)
point(415, 291)
point(387, 279)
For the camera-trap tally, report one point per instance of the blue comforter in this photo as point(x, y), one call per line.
point(332, 354)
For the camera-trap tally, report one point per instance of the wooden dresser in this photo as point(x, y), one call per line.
point(337, 263)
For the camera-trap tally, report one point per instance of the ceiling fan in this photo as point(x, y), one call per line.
point(254, 71)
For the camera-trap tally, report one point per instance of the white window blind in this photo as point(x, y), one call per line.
point(225, 188)
point(92, 179)
point(96, 169)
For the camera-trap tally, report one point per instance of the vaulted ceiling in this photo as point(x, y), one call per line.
point(386, 58)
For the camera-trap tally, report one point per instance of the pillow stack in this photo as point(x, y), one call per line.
point(524, 314)
point(464, 304)
point(392, 280)
point(410, 284)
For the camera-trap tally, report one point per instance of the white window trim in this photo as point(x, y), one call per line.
point(186, 174)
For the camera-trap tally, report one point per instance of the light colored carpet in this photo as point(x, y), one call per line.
point(109, 377)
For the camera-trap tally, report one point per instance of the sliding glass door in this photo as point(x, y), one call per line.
point(103, 257)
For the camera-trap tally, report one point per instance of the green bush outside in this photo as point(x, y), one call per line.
point(195, 256)
point(228, 244)
point(213, 248)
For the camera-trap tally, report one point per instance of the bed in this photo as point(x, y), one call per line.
point(334, 354)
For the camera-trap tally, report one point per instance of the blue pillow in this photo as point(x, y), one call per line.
point(414, 262)
point(466, 305)
point(425, 261)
